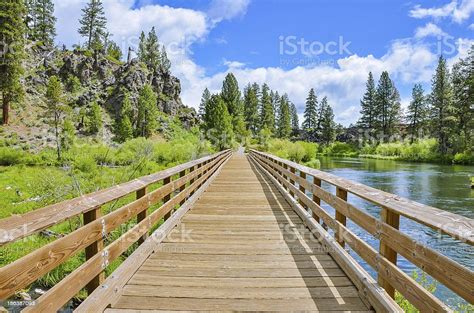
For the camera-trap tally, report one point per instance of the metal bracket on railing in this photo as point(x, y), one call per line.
point(378, 229)
point(105, 258)
point(104, 230)
point(378, 258)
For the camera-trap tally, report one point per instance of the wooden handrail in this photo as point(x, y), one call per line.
point(455, 225)
point(393, 242)
point(29, 268)
point(22, 225)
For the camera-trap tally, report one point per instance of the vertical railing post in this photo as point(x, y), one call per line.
point(393, 219)
point(192, 180)
point(182, 174)
point(316, 199)
point(292, 182)
point(303, 176)
point(341, 218)
point(94, 248)
point(142, 215)
point(167, 198)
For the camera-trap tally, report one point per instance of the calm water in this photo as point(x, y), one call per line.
point(446, 187)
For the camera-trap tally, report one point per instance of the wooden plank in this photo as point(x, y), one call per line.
point(303, 305)
point(239, 257)
point(23, 225)
point(231, 264)
point(94, 248)
point(240, 293)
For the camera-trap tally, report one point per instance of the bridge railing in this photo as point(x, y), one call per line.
point(294, 178)
point(175, 186)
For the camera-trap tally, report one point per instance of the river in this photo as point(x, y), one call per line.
point(446, 187)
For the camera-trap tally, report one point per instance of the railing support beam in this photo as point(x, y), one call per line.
point(341, 218)
point(167, 198)
point(317, 182)
point(142, 215)
point(93, 249)
point(392, 219)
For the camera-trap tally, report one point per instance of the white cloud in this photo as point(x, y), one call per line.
point(227, 9)
point(233, 64)
point(471, 27)
point(458, 13)
point(429, 29)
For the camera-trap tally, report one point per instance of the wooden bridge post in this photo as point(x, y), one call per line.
point(341, 193)
point(167, 198)
point(292, 170)
point(392, 219)
point(303, 176)
point(182, 174)
point(94, 248)
point(191, 181)
point(317, 182)
point(142, 215)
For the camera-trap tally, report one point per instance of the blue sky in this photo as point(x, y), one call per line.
point(256, 39)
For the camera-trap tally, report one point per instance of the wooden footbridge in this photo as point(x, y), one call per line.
point(235, 232)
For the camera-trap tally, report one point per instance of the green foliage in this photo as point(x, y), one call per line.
point(114, 51)
point(327, 125)
point(147, 119)
point(314, 163)
point(311, 111)
point(284, 121)
point(299, 151)
point(10, 156)
point(387, 108)
point(73, 84)
point(124, 128)
point(93, 23)
point(417, 112)
point(85, 163)
point(95, 122)
point(56, 109)
point(41, 21)
point(12, 44)
point(68, 135)
point(339, 149)
point(219, 123)
point(368, 105)
point(463, 158)
point(430, 286)
point(251, 109)
point(267, 114)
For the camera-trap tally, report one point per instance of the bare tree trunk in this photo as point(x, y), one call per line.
point(6, 110)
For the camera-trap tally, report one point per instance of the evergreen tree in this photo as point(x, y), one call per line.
point(219, 123)
point(125, 126)
point(95, 118)
point(295, 125)
point(441, 106)
point(56, 109)
point(147, 119)
point(463, 99)
point(267, 116)
point(417, 112)
point(12, 31)
point(275, 104)
point(251, 109)
point(368, 105)
point(387, 106)
point(44, 29)
point(206, 96)
point(68, 135)
point(152, 48)
point(165, 62)
point(311, 112)
point(113, 50)
point(142, 52)
point(284, 121)
point(30, 19)
point(328, 126)
point(230, 94)
point(93, 22)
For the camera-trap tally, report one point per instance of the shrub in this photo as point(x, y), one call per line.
point(85, 163)
point(339, 149)
point(463, 158)
point(310, 149)
point(10, 156)
point(314, 163)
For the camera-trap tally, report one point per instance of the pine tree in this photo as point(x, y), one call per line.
point(142, 52)
point(12, 31)
point(219, 123)
point(463, 99)
point(295, 125)
point(30, 19)
point(165, 62)
point(93, 22)
point(284, 121)
point(152, 47)
point(417, 112)
point(251, 109)
point(368, 105)
point(267, 116)
point(320, 114)
point(328, 126)
point(56, 109)
point(95, 118)
point(206, 96)
point(68, 135)
point(276, 105)
point(387, 106)
point(311, 112)
point(44, 29)
point(230, 94)
point(441, 106)
point(125, 126)
point(113, 50)
point(147, 119)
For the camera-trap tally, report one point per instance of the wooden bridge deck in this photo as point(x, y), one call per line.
point(241, 247)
